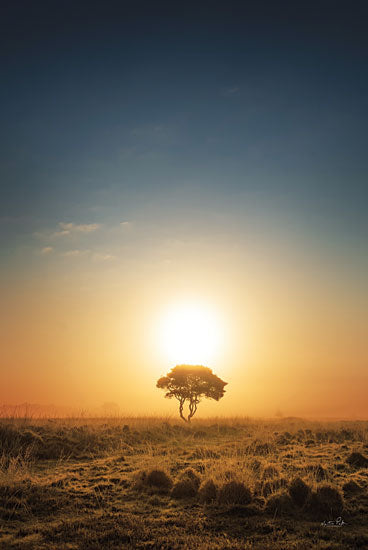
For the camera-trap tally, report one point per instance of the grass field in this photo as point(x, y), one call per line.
point(159, 484)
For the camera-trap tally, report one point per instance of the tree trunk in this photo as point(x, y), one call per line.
point(192, 409)
point(181, 405)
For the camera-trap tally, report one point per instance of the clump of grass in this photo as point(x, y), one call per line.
point(159, 479)
point(326, 501)
point(357, 460)
point(184, 489)
point(351, 487)
point(155, 479)
point(187, 486)
point(299, 492)
point(272, 486)
point(191, 475)
point(208, 492)
point(279, 504)
point(234, 492)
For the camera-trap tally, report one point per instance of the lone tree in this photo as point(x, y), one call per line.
point(191, 383)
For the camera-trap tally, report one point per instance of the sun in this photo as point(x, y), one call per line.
point(191, 333)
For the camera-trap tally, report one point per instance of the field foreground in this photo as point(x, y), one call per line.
point(157, 484)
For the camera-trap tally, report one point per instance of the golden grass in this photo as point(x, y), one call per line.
point(82, 483)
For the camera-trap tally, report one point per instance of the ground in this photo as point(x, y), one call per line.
point(139, 483)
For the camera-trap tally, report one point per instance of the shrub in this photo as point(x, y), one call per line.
point(272, 486)
point(299, 491)
point(191, 475)
point(140, 479)
point(234, 492)
point(279, 504)
point(327, 501)
point(208, 492)
point(351, 487)
point(184, 489)
point(158, 479)
point(357, 460)
point(331, 498)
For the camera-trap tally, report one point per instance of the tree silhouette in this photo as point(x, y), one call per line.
point(191, 383)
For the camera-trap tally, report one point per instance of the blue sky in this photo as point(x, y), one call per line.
point(113, 103)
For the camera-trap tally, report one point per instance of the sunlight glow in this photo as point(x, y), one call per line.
point(191, 333)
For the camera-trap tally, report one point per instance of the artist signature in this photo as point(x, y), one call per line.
point(338, 522)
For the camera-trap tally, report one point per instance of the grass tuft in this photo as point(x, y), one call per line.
point(299, 492)
point(326, 502)
point(234, 492)
point(208, 492)
point(159, 480)
point(191, 475)
point(351, 488)
point(279, 504)
point(184, 489)
point(357, 460)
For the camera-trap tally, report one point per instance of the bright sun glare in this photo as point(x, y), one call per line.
point(191, 333)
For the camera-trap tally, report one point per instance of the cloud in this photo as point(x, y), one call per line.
point(60, 233)
point(126, 225)
point(103, 257)
point(70, 227)
point(94, 256)
point(46, 250)
point(67, 229)
point(74, 253)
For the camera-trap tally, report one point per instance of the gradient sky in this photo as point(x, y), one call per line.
point(155, 152)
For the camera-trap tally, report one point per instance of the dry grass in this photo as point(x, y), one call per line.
point(156, 483)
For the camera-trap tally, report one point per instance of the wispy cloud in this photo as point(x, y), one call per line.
point(97, 257)
point(126, 225)
point(59, 234)
point(94, 256)
point(71, 227)
point(67, 229)
point(46, 250)
point(74, 253)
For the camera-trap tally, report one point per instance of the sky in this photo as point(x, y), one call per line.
point(155, 154)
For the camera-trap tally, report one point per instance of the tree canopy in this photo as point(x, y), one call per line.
point(191, 383)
